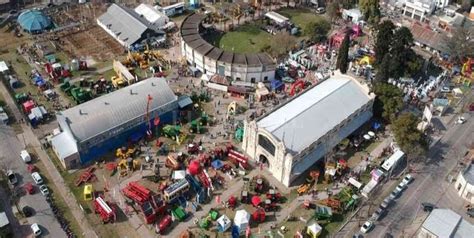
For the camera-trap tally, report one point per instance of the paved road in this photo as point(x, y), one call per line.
point(10, 147)
point(406, 216)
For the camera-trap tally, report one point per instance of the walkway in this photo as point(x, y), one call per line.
point(53, 173)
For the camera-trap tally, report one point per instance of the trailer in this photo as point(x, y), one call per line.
point(137, 193)
point(175, 190)
point(238, 159)
point(105, 210)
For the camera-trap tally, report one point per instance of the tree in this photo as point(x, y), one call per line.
point(383, 74)
point(400, 51)
point(333, 10)
point(318, 30)
point(282, 43)
point(370, 10)
point(461, 44)
point(383, 39)
point(342, 62)
point(388, 101)
point(408, 137)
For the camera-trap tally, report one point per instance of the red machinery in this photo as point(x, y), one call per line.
point(296, 87)
point(148, 212)
point(259, 215)
point(238, 159)
point(205, 179)
point(270, 206)
point(205, 159)
point(86, 176)
point(273, 196)
point(164, 223)
point(137, 193)
point(232, 202)
point(105, 210)
point(193, 148)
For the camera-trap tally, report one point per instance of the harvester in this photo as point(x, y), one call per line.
point(171, 131)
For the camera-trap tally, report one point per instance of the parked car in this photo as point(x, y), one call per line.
point(378, 214)
point(12, 179)
point(37, 178)
point(407, 179)
point(428, 207)
point(36, 229)
point(368, 225)
point(460, 120)
point(386, 202)
point(320, 10)
point(445, 89)
point(395, 193)
point(25, 156)
point(44, 190)
point(401, 186)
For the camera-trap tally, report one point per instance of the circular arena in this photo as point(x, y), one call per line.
point(251, 67)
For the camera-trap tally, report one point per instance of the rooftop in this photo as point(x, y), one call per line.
point(151, 14)
point(428, 37)
point(447, 223)
point(64, 145)
point(468, 174)
point(311, 115)
point(101, 114)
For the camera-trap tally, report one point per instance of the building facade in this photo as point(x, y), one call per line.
point(465, 184)
point(208, 59)
point(296, 135)
point(99, 126)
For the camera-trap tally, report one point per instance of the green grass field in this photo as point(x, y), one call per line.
point(300, 17)
point(245, 39)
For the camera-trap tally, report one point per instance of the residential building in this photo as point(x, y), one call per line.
point(93, 128)
point(465, 184)
point(419, 9)
point(299, 133)
point(444, 223)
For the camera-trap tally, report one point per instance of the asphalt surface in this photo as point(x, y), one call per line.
point(10, 147)
point(405, 216)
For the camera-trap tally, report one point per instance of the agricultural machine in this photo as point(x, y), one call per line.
point(80, 95)
point(274, 196)
point(105, 210)
point(163, 224)
point(196, 127)
point(238, 159)
point(322, 213)
point(141, 196)
point(171, 131)
point(85, 177)
point(259, 215)
point(172, 163)
point(179, 213)
point(201, 192)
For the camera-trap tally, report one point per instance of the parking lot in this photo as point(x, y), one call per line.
point(42, 214)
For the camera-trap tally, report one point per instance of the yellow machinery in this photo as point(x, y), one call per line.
point(88, 192)
point(118, 82)
point(366, 60)
point(122, 73)
point(304, 188)
point(124, 153)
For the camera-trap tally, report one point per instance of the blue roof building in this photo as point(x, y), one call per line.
point(34, 21)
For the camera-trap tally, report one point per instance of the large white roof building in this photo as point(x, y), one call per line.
point(297, 134)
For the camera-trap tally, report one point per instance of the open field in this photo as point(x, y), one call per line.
point(300, 17)
point(246, 38)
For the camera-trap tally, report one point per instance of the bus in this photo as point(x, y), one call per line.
point(391, 163)
point(175, 190)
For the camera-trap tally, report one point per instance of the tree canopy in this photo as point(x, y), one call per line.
point(408, 137)
point(388, 101)
point(383, 41)
point(318, 30)
point(370, 9)
point(342, 62)
point(461, 44)
point(282, 43)
point(332, 10)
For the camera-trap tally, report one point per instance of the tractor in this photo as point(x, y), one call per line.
point(196, 127)
point(171, 131)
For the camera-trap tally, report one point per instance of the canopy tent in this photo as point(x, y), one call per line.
point(314, 230)
point(217, 164)
point(28, 105)
point(223, 223)
point(241, 220)
point(34, 21)
point(179, 174)
point(277, 17)
point(256, 201)
point(355, 183)
point(3, 67)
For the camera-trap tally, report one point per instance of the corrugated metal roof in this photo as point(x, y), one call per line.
point(240, 59)
point(428, 37)
point(64, 145)
point(253, 60)
point(442, 222)
point(114, 109)
point(152, 15)
point(265, 59)
point(215, 53)
point(204, 48)
point(311, 115)
point(227, 57)
point(196, 43)
point(126, 23)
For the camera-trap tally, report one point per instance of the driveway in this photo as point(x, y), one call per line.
point(10, 147)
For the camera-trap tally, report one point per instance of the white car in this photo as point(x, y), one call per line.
point(460, 120)
point(366, 227)
point(37, 178)
point(44, 190)
point(25, 156)
point(36, 229)
point(407, 179)
point(395, 193)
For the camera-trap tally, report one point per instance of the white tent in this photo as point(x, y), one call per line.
point(223, 223)
point(314, 230)
point(277, 17)
point(242, 219)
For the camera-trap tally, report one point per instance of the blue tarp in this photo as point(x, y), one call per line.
point(277, 84)
point(217, 164)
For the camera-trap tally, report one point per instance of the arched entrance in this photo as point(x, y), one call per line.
point(262, 159)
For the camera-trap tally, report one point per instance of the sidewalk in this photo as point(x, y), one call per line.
point(64, 191)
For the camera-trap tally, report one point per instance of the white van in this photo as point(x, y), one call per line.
point(25, 156)
point(37, 178)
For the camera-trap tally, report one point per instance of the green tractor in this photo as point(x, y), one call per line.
point(204, 119)
point(171, 131)
point(195, 127)
point(179, 213)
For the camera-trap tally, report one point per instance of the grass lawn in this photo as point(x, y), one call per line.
point(300, 17)
point(246, 38)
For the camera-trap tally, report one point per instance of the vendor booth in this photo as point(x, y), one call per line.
point(223, 223)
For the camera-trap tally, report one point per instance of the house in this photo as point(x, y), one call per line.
point(444, 223)
point(465, 184)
